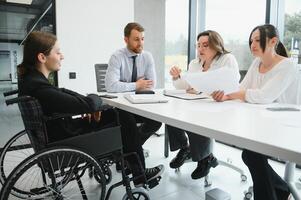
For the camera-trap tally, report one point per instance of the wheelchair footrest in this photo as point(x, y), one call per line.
point(154, 182)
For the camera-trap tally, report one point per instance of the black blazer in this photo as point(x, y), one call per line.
point(58, 100)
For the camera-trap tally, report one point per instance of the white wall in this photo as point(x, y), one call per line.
point(89, 31)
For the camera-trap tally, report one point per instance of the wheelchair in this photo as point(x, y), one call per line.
point(17, 149)
point(73, 168)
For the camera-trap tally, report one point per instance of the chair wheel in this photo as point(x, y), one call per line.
point(54, 173)
point(207, 182)
point(243, 178)
point(248, 195)
point(146, 153)
point(138, 194)
point(17, 149)
point(108, 173)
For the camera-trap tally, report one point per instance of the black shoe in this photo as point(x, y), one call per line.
point(204, 166)
point(150, 174)
point(178, 161)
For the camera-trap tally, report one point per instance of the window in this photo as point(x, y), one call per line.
point(234, 20)
point(292, 29)
point(17, 20)
point(176, 36)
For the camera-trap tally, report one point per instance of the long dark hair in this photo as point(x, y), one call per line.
point(269, 31)
point(36, 42)
point(215, 41)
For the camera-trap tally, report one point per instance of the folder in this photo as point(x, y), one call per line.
point(145, 98)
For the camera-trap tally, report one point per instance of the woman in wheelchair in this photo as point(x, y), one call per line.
point(42, 56)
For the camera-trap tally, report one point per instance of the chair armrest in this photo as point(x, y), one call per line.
point(63, 115)
point(18, 99)
point(9, 93)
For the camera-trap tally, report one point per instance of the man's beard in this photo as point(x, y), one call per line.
point(136, 50)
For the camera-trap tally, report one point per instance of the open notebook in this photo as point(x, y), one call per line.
point(145, 98)
point(182, 94)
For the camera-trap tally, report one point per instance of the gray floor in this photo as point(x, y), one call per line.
point(174, 185)
point(10, 120)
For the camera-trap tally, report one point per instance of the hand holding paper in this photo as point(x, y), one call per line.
point(223, 79)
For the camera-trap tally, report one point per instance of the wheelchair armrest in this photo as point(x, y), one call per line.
point(18, 99)
point(9, 93)
point(63, 115)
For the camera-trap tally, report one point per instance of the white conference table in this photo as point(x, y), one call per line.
point(249, 126)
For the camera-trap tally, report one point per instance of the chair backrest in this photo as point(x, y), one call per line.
point(100, 72)
point(34, 122)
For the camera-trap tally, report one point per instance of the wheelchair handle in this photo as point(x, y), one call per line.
point(18, 99)
point(9, 93)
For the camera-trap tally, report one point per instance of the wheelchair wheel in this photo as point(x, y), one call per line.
point(55, 173)
point(138, 194)
point(17, 149)
point(107, 173)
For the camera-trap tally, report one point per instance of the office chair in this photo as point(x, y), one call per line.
point(100, 72)
point(207, 181)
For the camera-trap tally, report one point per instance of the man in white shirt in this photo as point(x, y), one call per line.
point(132, 69)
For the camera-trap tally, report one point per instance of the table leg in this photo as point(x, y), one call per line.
point(289, 178)
point(166, 143)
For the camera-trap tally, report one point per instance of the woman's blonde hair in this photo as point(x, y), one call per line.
point(215, 41)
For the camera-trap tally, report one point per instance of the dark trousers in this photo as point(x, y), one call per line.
point(132, 137)
point(267, 184)
point(200, 146)
point(147, 127)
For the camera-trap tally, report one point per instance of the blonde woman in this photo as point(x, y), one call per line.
point(211, 55)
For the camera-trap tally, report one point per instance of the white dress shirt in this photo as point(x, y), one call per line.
point(281, 84)
point(196, 65)
point(119, 73)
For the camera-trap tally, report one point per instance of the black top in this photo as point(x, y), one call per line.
point(58, 100)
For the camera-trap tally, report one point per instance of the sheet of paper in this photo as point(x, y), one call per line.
point(224, 79)
point(182, 94)
point(175, 91)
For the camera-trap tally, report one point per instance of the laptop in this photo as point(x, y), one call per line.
point(145, 98)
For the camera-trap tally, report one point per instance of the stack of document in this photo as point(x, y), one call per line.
point(182, 94)
point(145, 98)
point(224, 79)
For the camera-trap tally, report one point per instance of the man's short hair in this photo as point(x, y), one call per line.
point(130, 26)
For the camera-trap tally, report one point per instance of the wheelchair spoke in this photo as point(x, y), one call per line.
point(56, 174)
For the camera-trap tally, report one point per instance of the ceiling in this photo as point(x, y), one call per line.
point(17, 19)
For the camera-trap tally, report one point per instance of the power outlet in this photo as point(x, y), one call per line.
point(72, 75)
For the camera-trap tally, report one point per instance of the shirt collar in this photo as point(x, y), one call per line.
point(130, 53)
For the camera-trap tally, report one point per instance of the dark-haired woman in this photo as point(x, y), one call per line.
point(272, 77)
point(41, 56)
point(211, 55)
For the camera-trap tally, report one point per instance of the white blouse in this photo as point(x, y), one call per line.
point(281, 84)
point(225, 60)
